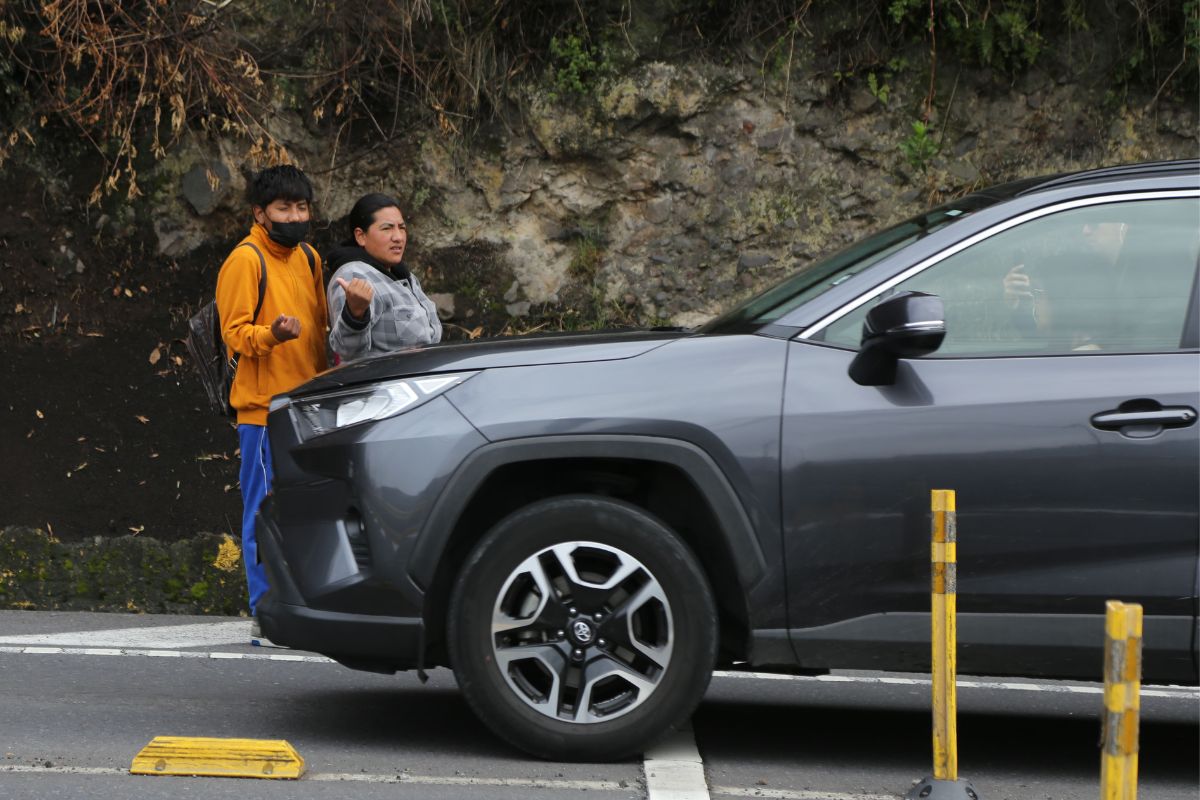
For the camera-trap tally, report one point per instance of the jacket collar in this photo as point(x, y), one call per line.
point(345, 253)
point(261, 238)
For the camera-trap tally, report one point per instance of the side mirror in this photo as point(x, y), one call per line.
point(906, 325)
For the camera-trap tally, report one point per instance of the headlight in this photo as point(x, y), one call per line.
point(330, 412)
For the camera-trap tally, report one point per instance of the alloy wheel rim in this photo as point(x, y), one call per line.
point(582, 632)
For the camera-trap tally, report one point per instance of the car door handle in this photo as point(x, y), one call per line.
point(1167, 417)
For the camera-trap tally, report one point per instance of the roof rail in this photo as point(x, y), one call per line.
point(1147, 169)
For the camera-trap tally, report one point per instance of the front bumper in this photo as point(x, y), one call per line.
point(337, 532)
point(359, 640)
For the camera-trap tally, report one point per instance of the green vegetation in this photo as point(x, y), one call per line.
point(589, 311)
point(576, 67)
point(589, 251)
point(131, 78)
point(919, 147)
point(881, 91)
point(781, 55)
point(1007, 36)
point(127, 573)
point(419, 197)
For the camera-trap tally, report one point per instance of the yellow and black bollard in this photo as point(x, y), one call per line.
point(944, 784)
point(1122, 687)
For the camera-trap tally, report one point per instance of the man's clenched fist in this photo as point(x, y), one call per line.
point(285, 328)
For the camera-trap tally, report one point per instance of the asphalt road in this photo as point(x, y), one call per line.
point(81, 694)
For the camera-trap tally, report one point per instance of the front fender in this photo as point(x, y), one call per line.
point(743, 543)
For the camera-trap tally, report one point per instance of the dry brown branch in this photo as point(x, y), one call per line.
point(133, 76)
point(117, 67)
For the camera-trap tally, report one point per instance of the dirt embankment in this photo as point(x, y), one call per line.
point(120, 489)
point(100, 423)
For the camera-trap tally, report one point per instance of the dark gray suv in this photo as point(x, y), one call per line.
point(584, 526)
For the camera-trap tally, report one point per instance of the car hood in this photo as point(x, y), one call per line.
point(515, 351)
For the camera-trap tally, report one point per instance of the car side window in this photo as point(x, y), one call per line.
point(1107, 278)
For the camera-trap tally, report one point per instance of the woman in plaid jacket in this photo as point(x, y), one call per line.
point(376, 304)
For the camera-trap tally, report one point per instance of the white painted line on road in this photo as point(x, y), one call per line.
point(464, 780)
point(164, 637)
point(790, 794)
point(63, 770)
point(91, 651)
point(1177, 692)
point(674, 770)
point(336, 777)
point(1172, 692)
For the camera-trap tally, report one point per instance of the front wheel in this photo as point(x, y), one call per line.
point(582, 628)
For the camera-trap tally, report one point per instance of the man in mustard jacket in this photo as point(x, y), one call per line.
point(282, 345)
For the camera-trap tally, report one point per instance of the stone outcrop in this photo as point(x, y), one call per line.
point(677, 189)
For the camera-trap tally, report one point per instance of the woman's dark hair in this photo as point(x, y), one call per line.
point(363, 213)
point(273, 183)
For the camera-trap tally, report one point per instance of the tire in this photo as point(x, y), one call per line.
point(554, 678)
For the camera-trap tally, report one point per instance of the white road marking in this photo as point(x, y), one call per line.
point(789, 794)
point(1171, 692)
point(335, 777)
point(460, 780)
point(674, 770)
point(1189, 692)
point(63, 770)
point(92, 651)
point(164, 637)
point(463, 780)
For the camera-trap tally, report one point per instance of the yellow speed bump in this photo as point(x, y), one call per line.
point(224, 758)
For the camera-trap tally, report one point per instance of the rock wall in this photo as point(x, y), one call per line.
point(679, 188)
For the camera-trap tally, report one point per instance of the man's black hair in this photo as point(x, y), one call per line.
point(284, 181)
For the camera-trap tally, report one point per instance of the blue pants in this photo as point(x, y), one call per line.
point(256, 477)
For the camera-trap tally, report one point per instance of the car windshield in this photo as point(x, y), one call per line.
point(821, 276)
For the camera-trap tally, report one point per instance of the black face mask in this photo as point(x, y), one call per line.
point(287, 234)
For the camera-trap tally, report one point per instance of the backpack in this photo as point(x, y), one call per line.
point(215, 364)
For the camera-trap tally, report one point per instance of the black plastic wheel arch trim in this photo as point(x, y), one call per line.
point(745, 548)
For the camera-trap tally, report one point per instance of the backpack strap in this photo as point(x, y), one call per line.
point(262, 274)
point(312, 257)
point(262, 278)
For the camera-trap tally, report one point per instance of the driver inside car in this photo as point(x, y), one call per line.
point(1062, 295)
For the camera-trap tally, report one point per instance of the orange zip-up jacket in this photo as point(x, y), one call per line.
point(267, 366)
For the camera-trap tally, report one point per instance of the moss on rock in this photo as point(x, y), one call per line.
point(125, 573)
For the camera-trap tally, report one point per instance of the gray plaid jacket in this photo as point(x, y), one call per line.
point(400, 315)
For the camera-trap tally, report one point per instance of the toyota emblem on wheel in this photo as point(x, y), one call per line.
point(583, 632)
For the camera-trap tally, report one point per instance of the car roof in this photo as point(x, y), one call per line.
point(1149, 169)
